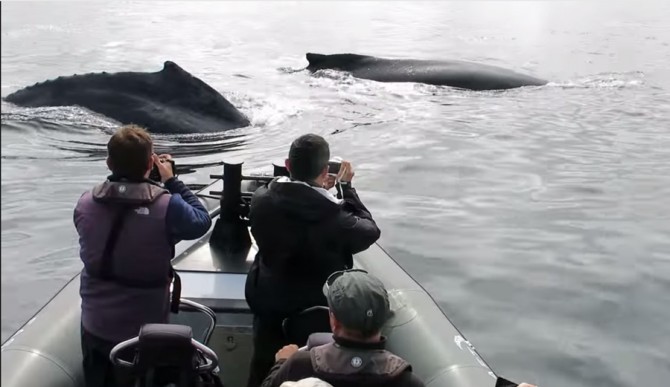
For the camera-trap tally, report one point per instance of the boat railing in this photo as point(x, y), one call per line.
point(188, 305)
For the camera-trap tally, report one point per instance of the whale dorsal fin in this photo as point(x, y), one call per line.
point(315, 59)
point(171, 68)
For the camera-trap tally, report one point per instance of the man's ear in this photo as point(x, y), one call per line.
point(287, 164)
point(109, 163)
point(151, 164)
point(334, 324)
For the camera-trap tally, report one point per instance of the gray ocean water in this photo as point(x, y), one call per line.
point(538, 218)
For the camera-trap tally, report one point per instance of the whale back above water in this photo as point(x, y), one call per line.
point(461, 74)
point(167, 101)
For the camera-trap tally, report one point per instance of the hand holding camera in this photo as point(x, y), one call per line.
point(338, 171)
point(163, 168)
point(346, 173)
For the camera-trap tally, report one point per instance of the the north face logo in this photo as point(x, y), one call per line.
point(142, 211)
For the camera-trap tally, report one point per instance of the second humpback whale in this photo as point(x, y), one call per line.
point(465, 75)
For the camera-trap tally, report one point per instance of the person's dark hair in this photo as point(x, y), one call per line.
point(309, 155)
point(130, 150)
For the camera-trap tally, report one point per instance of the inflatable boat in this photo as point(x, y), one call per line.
point(46, 351)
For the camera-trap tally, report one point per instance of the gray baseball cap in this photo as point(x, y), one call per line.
point(358, 300)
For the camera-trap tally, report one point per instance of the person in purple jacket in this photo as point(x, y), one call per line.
point(128, 226)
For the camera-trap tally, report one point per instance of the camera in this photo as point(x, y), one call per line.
point(156, 176)
point(334, 166)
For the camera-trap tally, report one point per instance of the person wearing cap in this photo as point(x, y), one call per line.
point(359, 308)
point(303, 233)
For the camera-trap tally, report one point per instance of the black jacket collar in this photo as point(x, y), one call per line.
point(347, 343)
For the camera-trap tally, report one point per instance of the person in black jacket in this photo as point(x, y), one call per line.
point(359, 307)
point(303, 234)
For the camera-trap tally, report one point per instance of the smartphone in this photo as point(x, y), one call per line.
point(156, 176)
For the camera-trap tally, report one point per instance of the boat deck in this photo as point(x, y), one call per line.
point(205, 257)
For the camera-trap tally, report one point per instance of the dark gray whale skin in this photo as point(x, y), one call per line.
point(168, 101)
point(465, 75)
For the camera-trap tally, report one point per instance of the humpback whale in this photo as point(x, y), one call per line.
point(465, 75)
point(168, 101)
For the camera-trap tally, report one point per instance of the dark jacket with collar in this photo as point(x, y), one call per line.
point(345, 363)
point(303, 234)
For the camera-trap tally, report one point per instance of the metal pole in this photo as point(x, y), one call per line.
point(232, 191)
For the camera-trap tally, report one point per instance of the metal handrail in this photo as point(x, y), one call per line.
point(209, 355)
point(204, 309)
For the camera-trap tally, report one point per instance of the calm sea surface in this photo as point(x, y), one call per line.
point(538, 218)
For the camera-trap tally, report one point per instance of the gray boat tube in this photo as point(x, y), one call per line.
point(421, 333)
point(45, 350)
